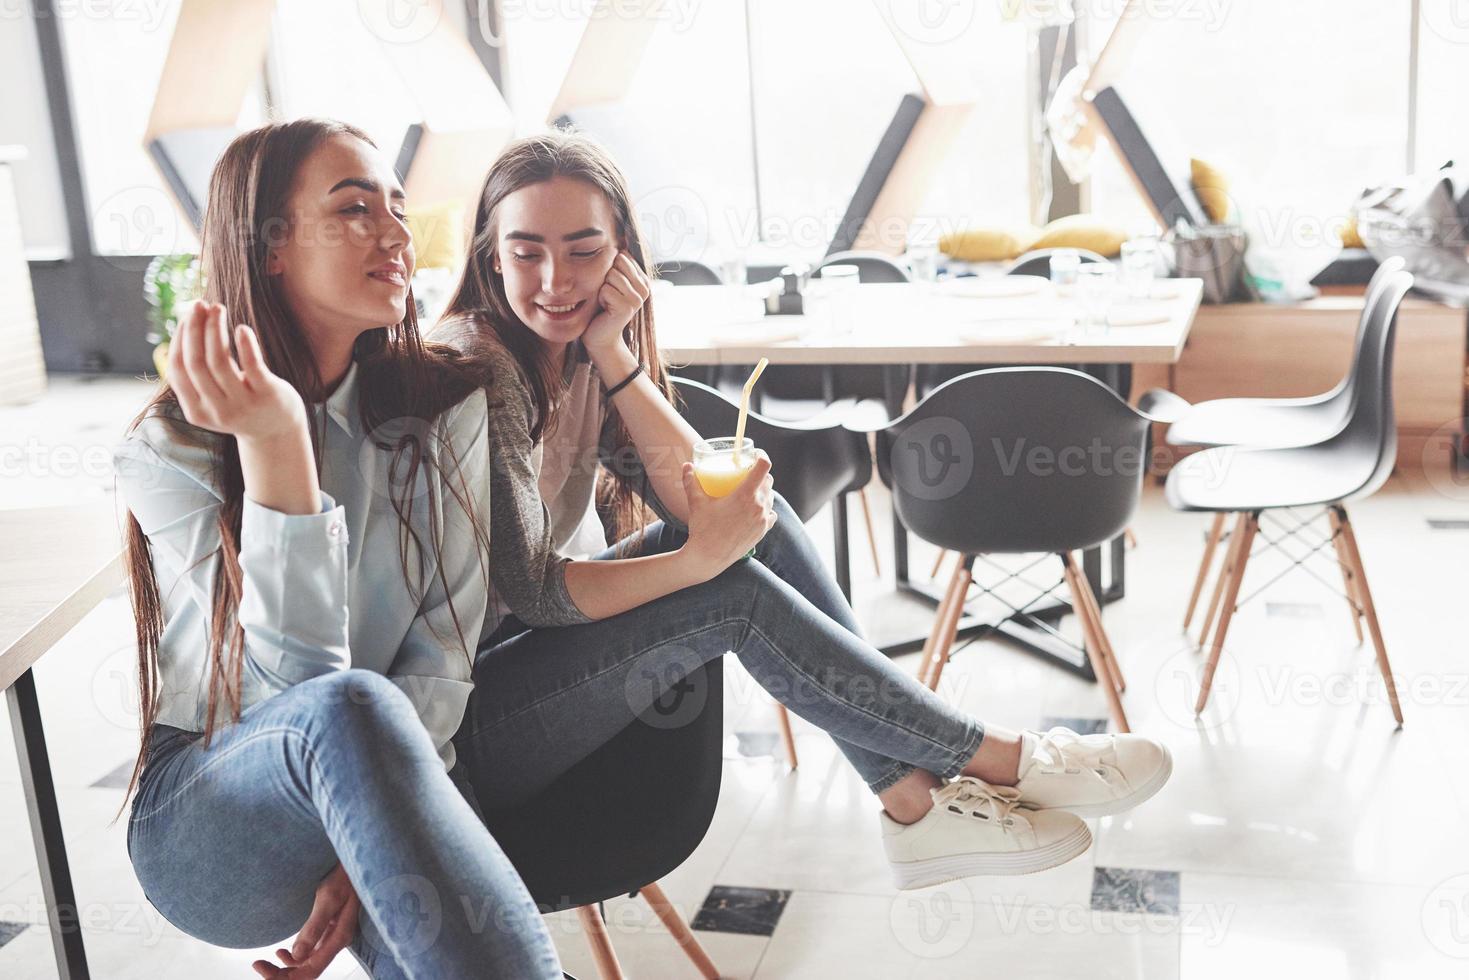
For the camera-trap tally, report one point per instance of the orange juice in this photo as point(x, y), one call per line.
point(715, 467)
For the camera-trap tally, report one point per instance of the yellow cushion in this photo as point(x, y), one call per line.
point(438, 235)
point(1350, 236)
point(1212, 189)
point(1082, 231)
point(993, 244)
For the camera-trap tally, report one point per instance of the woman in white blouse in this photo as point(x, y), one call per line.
point(307, 550)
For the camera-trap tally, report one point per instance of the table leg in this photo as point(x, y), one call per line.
point(35, 774)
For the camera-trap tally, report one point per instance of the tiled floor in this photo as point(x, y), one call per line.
point(1300, 835)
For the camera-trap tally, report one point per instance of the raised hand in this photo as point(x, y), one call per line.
point(623, 293)
point(240, 398)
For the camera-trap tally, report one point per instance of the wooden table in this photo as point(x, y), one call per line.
point(946, 323)
point(58, 564)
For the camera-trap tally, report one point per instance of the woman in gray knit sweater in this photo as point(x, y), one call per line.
point(581, 638)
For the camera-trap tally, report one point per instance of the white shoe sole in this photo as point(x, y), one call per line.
point(1123, 803)
point(936, 871)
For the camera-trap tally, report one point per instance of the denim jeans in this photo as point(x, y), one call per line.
point(546, 698)
point(231, 840)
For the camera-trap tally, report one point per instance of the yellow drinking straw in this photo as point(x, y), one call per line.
point(745, 408)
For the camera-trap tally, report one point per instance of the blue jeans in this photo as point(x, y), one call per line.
point(546, 698)
point(231, 840)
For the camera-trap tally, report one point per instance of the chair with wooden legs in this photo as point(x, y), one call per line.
point(624, 817)
point(1012, 461)
point(1264, 423)
point(1265, 488)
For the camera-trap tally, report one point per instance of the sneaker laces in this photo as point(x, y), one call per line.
point(973, 797)
point(1061, 750)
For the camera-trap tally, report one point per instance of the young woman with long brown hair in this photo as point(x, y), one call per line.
point(307, 550)
point(582, 638)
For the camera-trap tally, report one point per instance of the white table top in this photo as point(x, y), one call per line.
point(58, 564)
point(913, 323)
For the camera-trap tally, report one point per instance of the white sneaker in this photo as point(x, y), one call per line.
point(978, 829)
point(1090, 775)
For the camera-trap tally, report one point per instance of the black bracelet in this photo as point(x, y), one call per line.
point(625, 381)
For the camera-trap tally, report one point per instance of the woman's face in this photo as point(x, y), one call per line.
point(346, 257)
point(555, 242)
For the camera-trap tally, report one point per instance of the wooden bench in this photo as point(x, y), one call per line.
point(58, 564)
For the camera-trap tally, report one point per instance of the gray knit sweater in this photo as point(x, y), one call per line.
point(543, 494)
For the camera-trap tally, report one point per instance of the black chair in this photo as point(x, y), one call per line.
point(1257, 483)
point(626, 816)
point(686, 272)
point(1268, 423)
point(1018, 460)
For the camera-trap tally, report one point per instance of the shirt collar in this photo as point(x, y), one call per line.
point(341, 405)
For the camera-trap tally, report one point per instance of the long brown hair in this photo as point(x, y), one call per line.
point(399, 378)
point(480, 297)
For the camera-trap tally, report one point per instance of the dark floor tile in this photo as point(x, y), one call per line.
point(1293, 610)
point(9, 930)
point(1082, 726)
point(755, 744)
point(1135, 890)
point(747, 911)
point(1448, 524)
point(117, 778)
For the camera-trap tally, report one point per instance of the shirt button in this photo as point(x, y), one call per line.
point(335, 529)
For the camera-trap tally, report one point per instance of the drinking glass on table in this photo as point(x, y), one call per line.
point(1139, 265)
point(1095, 285)
point(839, 282)
point(923, 261)
point(1065, 264)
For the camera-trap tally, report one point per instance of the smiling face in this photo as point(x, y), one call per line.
point(345, 258)
point(554, 244)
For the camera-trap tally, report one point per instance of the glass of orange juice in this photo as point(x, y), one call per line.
point(715, 466)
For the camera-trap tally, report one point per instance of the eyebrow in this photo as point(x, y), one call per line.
point(366, 184)
point(526, 236)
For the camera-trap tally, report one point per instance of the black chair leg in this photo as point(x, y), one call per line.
point(840, 546)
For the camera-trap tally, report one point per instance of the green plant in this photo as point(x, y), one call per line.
point(170, 280)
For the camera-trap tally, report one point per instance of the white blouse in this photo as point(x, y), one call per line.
point(326, 591)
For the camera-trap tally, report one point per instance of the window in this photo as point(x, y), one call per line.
point(1300, 105)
